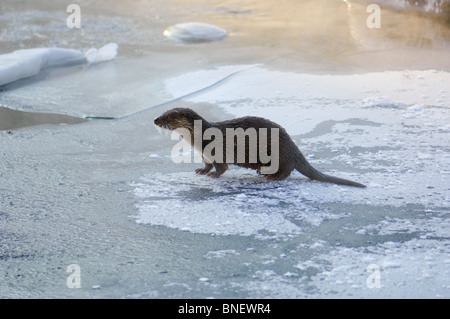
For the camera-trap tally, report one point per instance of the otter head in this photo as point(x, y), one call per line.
point(177, 118)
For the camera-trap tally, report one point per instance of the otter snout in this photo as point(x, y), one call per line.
point(161, 122)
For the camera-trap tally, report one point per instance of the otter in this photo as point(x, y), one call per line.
point(289, 156)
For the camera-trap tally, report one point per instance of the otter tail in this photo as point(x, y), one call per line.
point(302, 165)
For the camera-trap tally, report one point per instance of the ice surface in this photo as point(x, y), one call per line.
point(106, 195)
point(392, 142)
point(377, 128)
point(202, 206)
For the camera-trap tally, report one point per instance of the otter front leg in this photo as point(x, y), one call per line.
point(204, 170)
point(220, 169)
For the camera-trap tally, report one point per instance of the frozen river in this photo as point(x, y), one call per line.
point(97, 208)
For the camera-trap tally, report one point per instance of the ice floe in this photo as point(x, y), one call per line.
point(194, 32)
point(25, 63)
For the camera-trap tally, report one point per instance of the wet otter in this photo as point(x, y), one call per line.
point(289, 156)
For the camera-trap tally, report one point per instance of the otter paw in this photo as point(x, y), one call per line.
point(275, 177)
point(201, 171)
point(213, 174)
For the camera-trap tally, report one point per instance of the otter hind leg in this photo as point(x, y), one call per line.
point(204, 170)
point(281, 174)
point(220, 169)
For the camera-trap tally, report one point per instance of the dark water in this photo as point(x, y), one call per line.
point(11, 119)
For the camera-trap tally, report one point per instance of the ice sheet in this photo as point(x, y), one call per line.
point(388, 130)
point(106, 195)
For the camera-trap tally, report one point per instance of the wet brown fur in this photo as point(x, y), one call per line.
point(290, 157)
